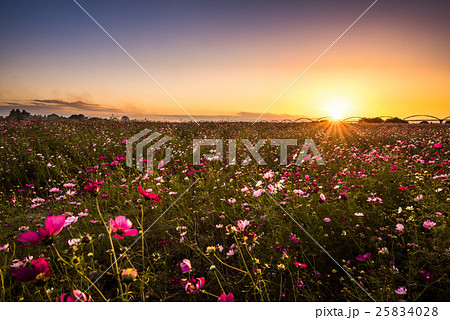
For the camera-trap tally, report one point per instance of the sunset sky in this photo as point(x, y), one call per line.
point(226, 58)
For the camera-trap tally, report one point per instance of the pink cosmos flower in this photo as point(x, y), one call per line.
point(258, 193)
point(437, 146)
point(194, 285)
point(244, 189)
point(53, 226)
point(121, 226)
point(322, 198)
point(39, 270)
point(429, 224)
point(401, 291)
point(327, 219)
point(129, 274)
point(75, 296)
point(149, 195)
point(242, 224)
point(185, 266)
point(399, 227)
point(226, 298)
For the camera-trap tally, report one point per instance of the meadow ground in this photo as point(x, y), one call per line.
point(70, 207)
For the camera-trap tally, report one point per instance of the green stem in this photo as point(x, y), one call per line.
point(245, 264)
point(116, 263)
point(230, 266)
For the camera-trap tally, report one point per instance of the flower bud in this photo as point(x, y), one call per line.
point(129, 274)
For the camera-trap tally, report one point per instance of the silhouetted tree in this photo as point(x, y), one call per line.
point(77, 117)
point(396, 120)
point(371, 120)
point(15, 114)
point(53, 117)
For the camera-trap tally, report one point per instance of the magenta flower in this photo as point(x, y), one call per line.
point(185, 266)
point(149, 195)
point(76, 296)
point(39, 270)
point(327, 219)
point(53, 226)
point(94, 187)
point(226, 298)
point(299, 283)
point(121, 226)
point(298, 264)
point(362, 257)
point(426, 276)
point(401, 291)
point(429, 224)
point(293, 238)
point(194, 285)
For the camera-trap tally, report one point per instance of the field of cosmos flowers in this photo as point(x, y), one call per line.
point(376, 215)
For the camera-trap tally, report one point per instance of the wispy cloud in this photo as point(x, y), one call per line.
point(47, 106)
point(66, 108)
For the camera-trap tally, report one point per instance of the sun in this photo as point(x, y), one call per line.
point(336, 114)
point(336, 108)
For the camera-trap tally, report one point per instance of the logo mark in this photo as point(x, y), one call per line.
point(150, 150)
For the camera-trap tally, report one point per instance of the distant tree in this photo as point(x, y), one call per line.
point(77, 117)
point(371, 120)
point(423, 122)
point(396, 120)
point(95, 119)
point(125, 118)
point(15, 114)
point(53, 117)
point(447, 122)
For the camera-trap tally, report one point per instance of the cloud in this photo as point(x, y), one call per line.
point(269, 116)
point(66, 108)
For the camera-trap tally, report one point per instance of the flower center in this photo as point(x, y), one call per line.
point(41, 276)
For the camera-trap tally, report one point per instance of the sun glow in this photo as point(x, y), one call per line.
point(336, 108)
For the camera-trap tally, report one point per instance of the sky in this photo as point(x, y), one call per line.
point(228, 59)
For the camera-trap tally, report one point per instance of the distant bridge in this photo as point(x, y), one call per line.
point(413, 118)
point(426, 118)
